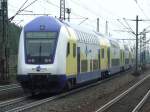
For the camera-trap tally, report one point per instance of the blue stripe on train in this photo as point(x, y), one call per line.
point(114, 70)
point(87, 76)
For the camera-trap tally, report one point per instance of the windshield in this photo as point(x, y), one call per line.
point(40, 47)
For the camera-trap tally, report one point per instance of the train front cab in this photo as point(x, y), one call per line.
point(38, 70)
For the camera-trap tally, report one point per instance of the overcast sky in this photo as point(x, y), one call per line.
point(109, 10)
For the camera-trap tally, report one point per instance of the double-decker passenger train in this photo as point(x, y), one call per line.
point(54, 55)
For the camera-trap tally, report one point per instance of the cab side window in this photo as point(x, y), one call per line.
point(68, 48)
point(103, 53)
point(74, 50)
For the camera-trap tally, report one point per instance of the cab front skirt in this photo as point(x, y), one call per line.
point(42, 82)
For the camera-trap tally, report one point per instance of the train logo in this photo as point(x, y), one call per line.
point(38, 68)
point(42, 27)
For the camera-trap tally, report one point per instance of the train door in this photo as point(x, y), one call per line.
point(78, 60)
point(123, 58)
point(71, 68)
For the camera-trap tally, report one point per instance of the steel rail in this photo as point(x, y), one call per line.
point(43, 101)
point(116, 99)
point(10, 102)
point(5, 86)
point(9, 87)
point(141, 103)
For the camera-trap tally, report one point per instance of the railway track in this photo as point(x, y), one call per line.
point(140, 107)
point(11, 91)
point(131, 100)
point(19, 102)
point(10, 103)
point(143, 106)
point(26, 103)
point(9, 87)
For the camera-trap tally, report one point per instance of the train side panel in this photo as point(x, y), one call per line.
point(127, 57)
point(87, 57)
point(71, 57)
point(104, 56)
point(114, 57)
point(122, 57)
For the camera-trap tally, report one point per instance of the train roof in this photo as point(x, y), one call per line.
point(49, 23)
point(121, 44)
point(104, 41)
point(79, 28)
point(83, 34)
point(113, 42)
point(43, 23)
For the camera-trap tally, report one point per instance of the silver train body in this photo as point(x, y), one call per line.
point(54, 55)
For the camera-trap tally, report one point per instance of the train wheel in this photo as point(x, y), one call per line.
point(68, 86)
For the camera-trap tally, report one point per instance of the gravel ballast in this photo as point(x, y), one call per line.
point(90, 99)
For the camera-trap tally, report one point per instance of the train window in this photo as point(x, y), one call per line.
point(115, 62)
point(84, 66)
point(95, 65)
point(40, 47)
point(74, 50)
point(103, 53)
point(68, 48)
point(127, 61)
point(41, 34)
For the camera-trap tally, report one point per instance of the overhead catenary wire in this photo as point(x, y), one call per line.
point(22, 9)
point(83, 21)
point(88, 10)
point(35, 14)
point(12, 8)
point(15, 9)
point(54, 5)
point(125, 27)
point(49, 2)
point(22, 6)
point(106, 10)
point(92, 12)
point(141, 9)
point(18, 10)
point(28, 5)
point(128, 25)
point(85, 7)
